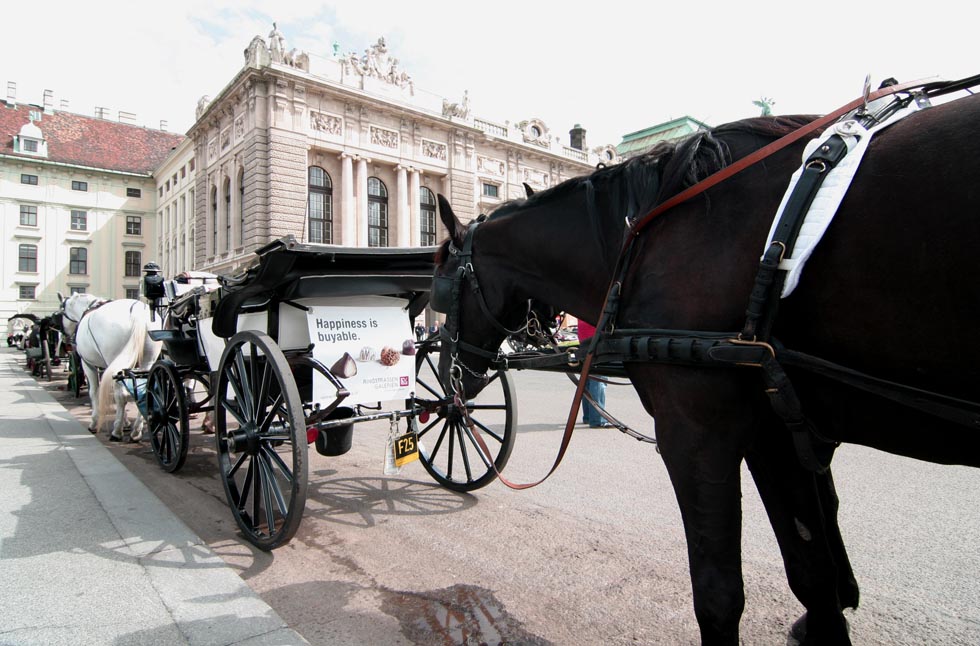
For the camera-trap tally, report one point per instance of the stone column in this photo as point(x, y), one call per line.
point(362, 202)
point(415, 198)
point(348, 236)
point(404, 236)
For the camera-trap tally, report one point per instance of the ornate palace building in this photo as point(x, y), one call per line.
point(341, 150)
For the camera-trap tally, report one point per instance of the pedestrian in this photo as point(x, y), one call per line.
point(433, 328)
point(419, 331)
point(595, 387)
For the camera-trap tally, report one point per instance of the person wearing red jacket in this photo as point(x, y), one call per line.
point(595, 388)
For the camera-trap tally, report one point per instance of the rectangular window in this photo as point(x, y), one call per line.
point(78, 260)
point(26, 292)
point(161, 191)
point(134, 192)
point(30, 145)
point(134, 263)
point(79, 220)
point(28, 215)
point(79, 186)
point(28, 179)
point(175, 180)
point(490, 190)
point(134, 225)
point(133, 293)
point(190, 165)
point(27, 258)
point(183, 172)
point(77, 290)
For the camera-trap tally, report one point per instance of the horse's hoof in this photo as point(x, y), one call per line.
point(93, 431)
point(113, 438)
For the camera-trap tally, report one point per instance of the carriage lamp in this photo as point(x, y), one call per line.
point(153, 289)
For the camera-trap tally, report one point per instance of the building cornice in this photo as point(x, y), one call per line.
point(93, 169)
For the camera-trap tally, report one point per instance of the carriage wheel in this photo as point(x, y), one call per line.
point(447, 448)
point(166, 415)
point(260, 433)
point(76, 375)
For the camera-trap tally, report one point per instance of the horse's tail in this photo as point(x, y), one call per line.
point(130, 357)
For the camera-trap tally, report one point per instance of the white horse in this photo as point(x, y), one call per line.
point(110, 335)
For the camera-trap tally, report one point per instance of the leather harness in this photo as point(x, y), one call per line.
point(752, 346)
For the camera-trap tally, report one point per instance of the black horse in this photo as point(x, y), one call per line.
point(892, 291)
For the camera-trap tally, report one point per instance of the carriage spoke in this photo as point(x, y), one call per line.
point(442, 435)
point(239, 396)
point(272, 491)
point(460, 432)
point(425, 430)
point(256, 469)
point(273, 411)
point(437, 393)
point(244, 385)
point(238, 463)
point(253, 381)
point(246, 483)
point(232, 408)
point(471, 435)
point(487, 431)
point(263, 390)
point(274, 458)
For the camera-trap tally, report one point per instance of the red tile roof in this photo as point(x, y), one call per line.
point(87, 141)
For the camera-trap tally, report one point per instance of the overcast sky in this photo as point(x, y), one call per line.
point(613, 66)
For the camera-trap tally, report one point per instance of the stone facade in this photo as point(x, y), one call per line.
point(348, 151)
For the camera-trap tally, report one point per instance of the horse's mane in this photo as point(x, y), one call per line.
point(639, 183)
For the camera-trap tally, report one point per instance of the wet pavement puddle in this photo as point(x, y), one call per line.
point(462, 615)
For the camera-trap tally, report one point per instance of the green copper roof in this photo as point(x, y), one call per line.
point(642, 140)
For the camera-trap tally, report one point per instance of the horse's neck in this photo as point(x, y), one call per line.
point(557, 260)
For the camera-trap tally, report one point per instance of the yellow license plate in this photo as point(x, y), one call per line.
point(406, 449)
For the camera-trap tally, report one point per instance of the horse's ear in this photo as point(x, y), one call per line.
point(61, 299)
point(528, 190)
point(449, 219)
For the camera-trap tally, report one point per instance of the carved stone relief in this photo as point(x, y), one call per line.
point(536, 177)
point(384, 137)
point(490, 166)
point(329, 124)
point(433, 149)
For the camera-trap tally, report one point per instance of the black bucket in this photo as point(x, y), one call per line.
point(336, 440)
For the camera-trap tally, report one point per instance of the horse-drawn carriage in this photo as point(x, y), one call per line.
point(297, 350)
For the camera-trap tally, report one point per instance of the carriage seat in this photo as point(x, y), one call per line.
point(181, 347)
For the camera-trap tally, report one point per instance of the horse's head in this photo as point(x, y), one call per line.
point(481, 308)
point(71, 311)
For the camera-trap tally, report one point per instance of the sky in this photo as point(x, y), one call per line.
point(613, 66)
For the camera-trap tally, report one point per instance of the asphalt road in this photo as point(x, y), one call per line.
point(595, 555)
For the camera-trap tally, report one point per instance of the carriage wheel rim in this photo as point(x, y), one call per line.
point(265, 493)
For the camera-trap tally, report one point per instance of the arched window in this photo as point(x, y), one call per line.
point(377, 213)
point(227, 192)
point(427, 217)
point(241, 207)
point(214, 220)
point(320, 206)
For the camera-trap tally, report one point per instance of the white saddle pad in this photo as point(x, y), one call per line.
point(830, 193)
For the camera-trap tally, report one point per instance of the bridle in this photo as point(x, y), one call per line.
point(446, 299)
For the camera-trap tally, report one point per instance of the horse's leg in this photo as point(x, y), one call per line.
point(92, 376)
point(119, 395)
point(701, 427)
point(136, 434)
point(802, 508)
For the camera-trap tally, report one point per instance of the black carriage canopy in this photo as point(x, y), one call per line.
point(288, 270)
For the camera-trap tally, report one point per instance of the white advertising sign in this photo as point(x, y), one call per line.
point(367, 342)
